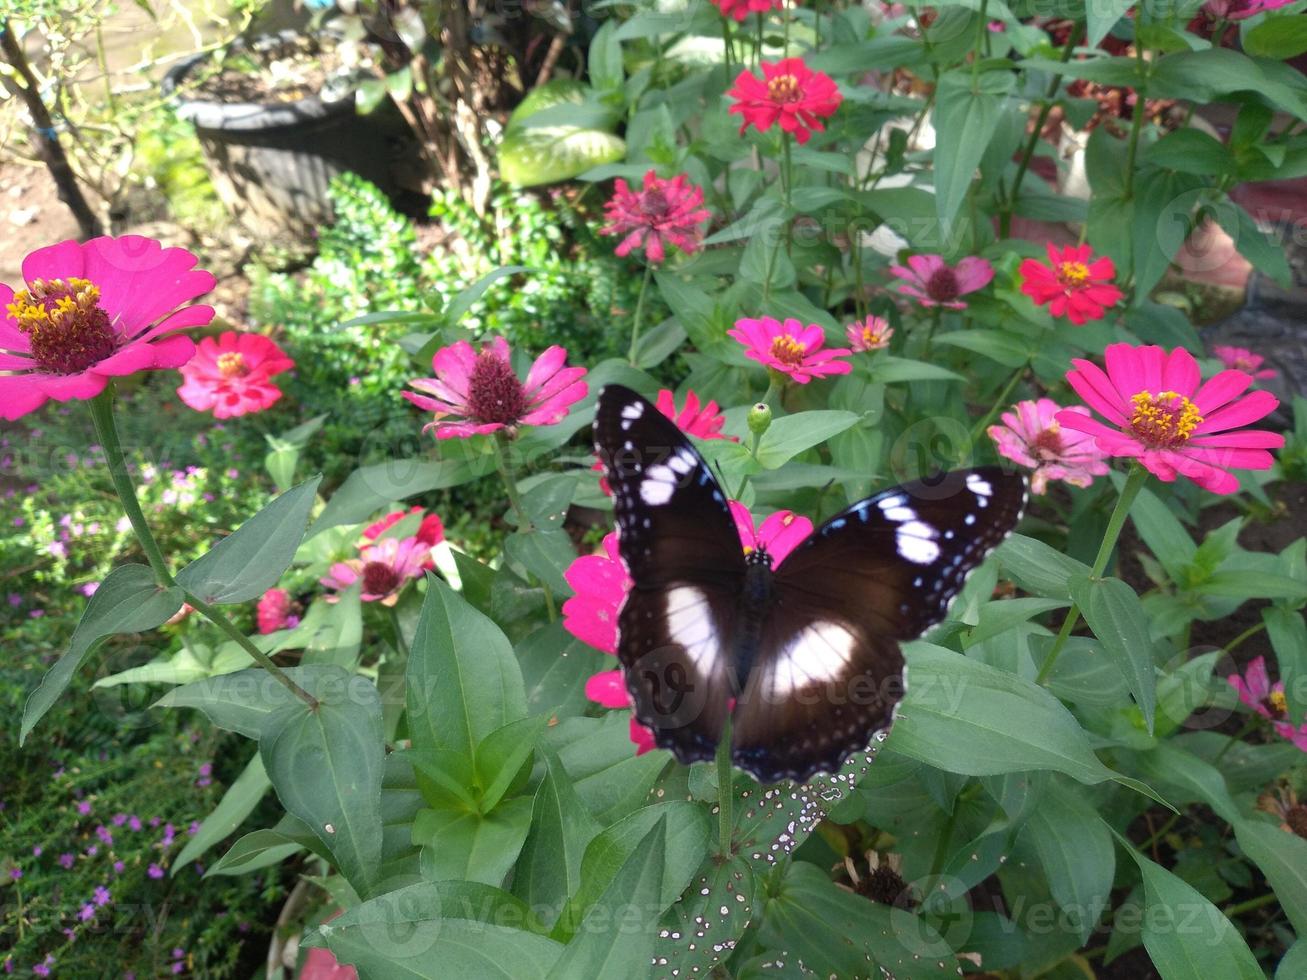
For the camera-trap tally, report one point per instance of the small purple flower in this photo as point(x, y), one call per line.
point(133, 822)
point(101, 896)
point(89, 588)
point(92, 851)
point(87, 912)
point(119, 867)
point(37, 613)
point(66, 860)
point(70, 934)
point(169, 832)
point(37, 850)
point(41, 970)
point(154, 871)
point(194, 828)
point(206, 775)
point(15, 600)
point(15, 873)
point(119, 819)
point(103, 833)
point(155, 821)
point(84, 808)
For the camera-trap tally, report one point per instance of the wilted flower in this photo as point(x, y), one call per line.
point(661, 213)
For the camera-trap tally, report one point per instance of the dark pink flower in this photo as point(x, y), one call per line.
point(274, 611)
point(384, 568)
point(232, 375)
point(1164, 416)
point(1074, 284)
point(93, 311)
point(1240, 9)
point(741, 9)
point(430, 532)
point(789, 93)
point(1257, 692)
point(1032, 436)
point(1242, 359)
point(662, 213)
point(475, 393)
point(790, 348)
point(933, 282)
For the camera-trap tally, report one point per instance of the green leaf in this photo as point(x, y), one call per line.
point(1190, 151)
point(549, 869)
point(546, 554)
point(1162, 531)
point(390, 946)
point(555, 667)
point(614, 792)
point(1280, 38)
point(964, 716)
point(372, 488)
point(605, 58)
point(531, 156)
point(1282, 856)
point(460, 844)
point(466, 298)
point(635, 898)
point(1294, 963)
point(896, 370)
point(1102, 16)
point(1261, 249)
point(1114, 613)
point(129, 600)
point(260, 849)
point(1187, 937)
point(1196, 780)
point(1006, 348)
point(250, 560)
point(501, 755)
point(1106, 71)
point(1076, 851)
point(463, 680)
point(965, 122)
point(695, 935)
point(1037, 568)
point(792, 434)
point(237, 803)
point(326, 766)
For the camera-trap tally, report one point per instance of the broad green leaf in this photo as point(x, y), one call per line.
point(1282, 856)
point(334, 630)
point(466, 298)
point(260, 849)
point(326, 767)
point(555, 667)
point(888, 369)
point(129, 600)
point(612, 793)
point(536, 155)
point(1280, 38)
point(248, 701)
point(549, 869)
point(1195, 780)
point(1114, 613)
point(391, 948)
point(463, 845)
point(370, 489)
point(695, 935)
point(1037, 568)
point(1107, 71)
point(1187, 937)
point(546, 554)
point(1294, 963)
point(1262, 250)
point(792, 434)
point(1102, 16)
point(250, 560)
point(1076, 851)
point(965, 121)
point(635, 898)
point(1190, 151)
point(463, 680)
point(1007, 349)
point(964, 716)
point(605, 57)
point(501, 755)
point(237, 803)
point(1162, 531)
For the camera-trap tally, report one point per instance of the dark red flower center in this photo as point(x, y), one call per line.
point(65, 324)
point(942, 286)
point(1048, 443)
point(784, 88)
point(494, 392)
point(654, 204)
point(886, 886)
point(379, 578)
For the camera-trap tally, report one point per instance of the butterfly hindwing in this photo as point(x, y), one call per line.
point(828, 671)
point(684, 556)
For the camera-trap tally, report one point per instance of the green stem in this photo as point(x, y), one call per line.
point(524, 522)
point(999, 402)
point(1162, 831)
point(1251, 905)
point(982, 28)
point(639, 311)
point(945, 837)
point(725, 790)
point(1141, 110)
point(107, 432)
point(1249, 727)
point(1247, 634)
point(401, 647)
point(1133, 484)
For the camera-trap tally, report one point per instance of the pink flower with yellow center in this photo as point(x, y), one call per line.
point(232, 375)
point(94, 311)
point(873, 333)
point(1162, 414)
point(1257, 692)
point(789, 93)
point(1074, 284)
point(476, 392)
point(790, 348)
point(662, 213)
point(933, 282)
point(1032, 436)
point(1242, 359)
point(600, 584)
point(383, 568)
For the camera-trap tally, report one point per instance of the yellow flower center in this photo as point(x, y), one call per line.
point(66, 327)
point(232, 365)
point(1164, 420)
point(872, 338)
point(1073, 274)
point(1278, 703)
point(783, 88)
point(787, 350)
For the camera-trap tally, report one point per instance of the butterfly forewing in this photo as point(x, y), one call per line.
point(680, 546)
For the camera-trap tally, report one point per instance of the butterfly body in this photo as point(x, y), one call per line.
point(802, 653)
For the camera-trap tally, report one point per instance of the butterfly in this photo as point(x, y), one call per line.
point(804, 656)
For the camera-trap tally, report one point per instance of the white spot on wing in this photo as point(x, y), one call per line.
point(682, 461)
point(655, 493)
point(978, 484)
point(819, 654)
point(900, 514)
point(633, 410)
point(690, 625)
point(916, 542)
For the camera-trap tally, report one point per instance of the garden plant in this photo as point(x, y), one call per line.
point(491, 617)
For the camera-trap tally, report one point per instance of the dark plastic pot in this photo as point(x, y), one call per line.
point(271, 163)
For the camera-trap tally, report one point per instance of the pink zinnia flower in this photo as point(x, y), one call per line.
point(430, 532)
point(231, 375)
point(790, 93)
point(933, 282)
point(384, 568)
point(1298, 736)
point(741, 9)
point(1257, 692)
point(1240, 9)
point(600, 584)
point(664, 212)
point(274, 611)
point(790, 348)
point(475, 393)
point(1032, 436)
point(1242, 359)
point(1074, 284)
point(872, 333)
point(94, 311)
point(1170, 421)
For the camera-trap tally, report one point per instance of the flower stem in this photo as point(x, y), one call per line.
point(1251, 905)
point(639, 312)
point(1249, 727)
point(999, 402)
point(1140, 111)
point(1133, 484)
point(725, 790)
point(107, 432)
point(524, 522)
point(1247, 634)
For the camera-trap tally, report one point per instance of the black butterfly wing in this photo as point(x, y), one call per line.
point(680, 546)
point(828, 671)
